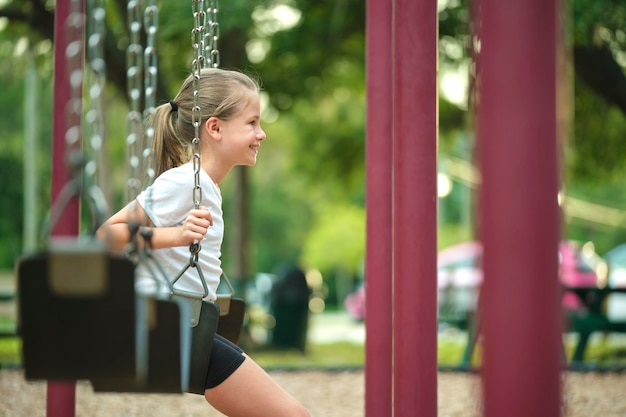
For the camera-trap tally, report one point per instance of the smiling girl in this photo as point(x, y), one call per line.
point(230, 134)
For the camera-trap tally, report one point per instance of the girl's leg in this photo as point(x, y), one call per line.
point(251, 392)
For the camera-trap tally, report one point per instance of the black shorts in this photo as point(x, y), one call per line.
point(226, 357)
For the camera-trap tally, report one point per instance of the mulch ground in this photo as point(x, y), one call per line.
point(325, 394)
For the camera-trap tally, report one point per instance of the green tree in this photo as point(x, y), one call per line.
point(310, 57)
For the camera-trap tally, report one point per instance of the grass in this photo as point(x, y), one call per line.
point(10, 351)
point(342, 355)
point(323, 356)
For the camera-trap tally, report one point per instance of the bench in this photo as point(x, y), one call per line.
point(591, 320)
point(594, 319)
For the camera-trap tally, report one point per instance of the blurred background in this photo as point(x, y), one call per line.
point(296, 222)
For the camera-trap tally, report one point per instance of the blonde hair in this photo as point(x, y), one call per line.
point(221, 93)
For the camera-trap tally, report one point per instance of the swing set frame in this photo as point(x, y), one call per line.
point(401, 376)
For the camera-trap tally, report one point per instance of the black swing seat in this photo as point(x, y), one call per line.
point(172, 367)
point(182, 369)
point(78, 316)
point(168, 351)
point(202, 346)
point(233, 311)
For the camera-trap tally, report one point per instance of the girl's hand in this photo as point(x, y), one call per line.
point(195, 226)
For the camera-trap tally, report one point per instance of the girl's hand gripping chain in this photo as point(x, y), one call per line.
point(195, 226)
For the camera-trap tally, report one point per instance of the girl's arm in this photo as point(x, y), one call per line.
point(115, 231)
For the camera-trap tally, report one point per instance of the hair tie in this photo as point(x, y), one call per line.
point(173, 105)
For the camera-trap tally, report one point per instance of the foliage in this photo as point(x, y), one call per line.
point(309, 184)
point(11, 208)
point(596, 22)
point(337, 239)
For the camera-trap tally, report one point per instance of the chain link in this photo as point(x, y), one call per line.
point(75, 26)
point(197, 42)
point(212, 34)
point(151, 24)
point(74, 33)
point(134, 118)
point(96, 76)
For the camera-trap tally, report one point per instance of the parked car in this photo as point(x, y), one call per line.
point(354, 303)
point(459, 277)
point(460, 273)
point(616, 278)
point(579, 267)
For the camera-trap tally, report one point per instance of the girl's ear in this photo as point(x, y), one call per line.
point(212, 127)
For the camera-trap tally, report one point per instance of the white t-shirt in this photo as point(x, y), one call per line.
point(167, 202)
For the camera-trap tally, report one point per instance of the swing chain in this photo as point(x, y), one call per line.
point(94, 117)
point(97, 78)
point(213, 34)
point(197, 42)
point(75, 27)
point(151, 22)
point(134, 118)
point(81, 169)
point(194, 250)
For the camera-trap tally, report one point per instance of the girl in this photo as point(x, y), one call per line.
point(230, 134)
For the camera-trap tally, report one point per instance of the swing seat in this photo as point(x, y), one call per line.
point(172, 369)
point(231, 319)
point(232, 312)
point(77, 315)
point(202, 335)
point(168, 362)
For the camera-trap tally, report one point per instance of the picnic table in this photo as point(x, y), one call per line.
point(593, 318)
point(590, 319)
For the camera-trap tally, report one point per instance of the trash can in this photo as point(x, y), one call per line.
point(290, 308)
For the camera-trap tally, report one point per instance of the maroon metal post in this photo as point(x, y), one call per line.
point(414, 207)
point(61, 396)
point(519, 212)
point(378, 275)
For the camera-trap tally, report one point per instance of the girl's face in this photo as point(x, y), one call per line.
point(242, 135)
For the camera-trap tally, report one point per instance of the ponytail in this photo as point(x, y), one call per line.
point(168, 151)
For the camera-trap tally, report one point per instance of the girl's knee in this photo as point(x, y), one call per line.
point(231, 405)
point(303, 412)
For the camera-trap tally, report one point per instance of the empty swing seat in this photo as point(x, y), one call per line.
point(78, 316)
point(168, 350)
point(168, 344)
point(231, 319)
point(203, 328)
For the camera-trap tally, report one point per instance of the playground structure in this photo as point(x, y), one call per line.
point(518, 153)
point(516, 69)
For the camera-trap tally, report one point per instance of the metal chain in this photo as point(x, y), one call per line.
point(92, 76)
point(75, 27)
point(151, 24)
point(197, 42)
point(212, 35)
point(96, 77)
point(96, 80)
point(74, 31)
point(134, 118)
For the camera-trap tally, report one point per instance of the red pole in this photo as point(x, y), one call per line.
point(519, 211)
point(378, 381)
point(61, 396)
point(415, 208)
